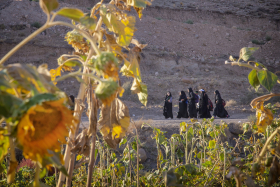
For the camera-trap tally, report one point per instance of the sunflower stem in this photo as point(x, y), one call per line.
point(37, 175)
point(13, 161)
point(72, 136)
point(92, 128)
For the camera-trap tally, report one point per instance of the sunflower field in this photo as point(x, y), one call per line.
point(37, 120)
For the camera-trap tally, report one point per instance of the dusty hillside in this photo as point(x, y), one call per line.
point(189, 40)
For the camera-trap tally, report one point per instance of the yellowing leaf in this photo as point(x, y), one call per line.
point(139, 11)
point(136, 42)
point(55, 73)
point(143, 95)
point(123, 25)
point(141, 90)
point(88, 22)
point(4, 143)
point(113, 44)
point(212, 144)
point(28, 78)
point(193, 120)
point(48, 5)
point(264, 116)
point(71, 13)
point(183, 127)
point(114, 122)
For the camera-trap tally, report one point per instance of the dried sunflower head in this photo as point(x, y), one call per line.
point(106, 65)
point(44, 127)
point(77, 41)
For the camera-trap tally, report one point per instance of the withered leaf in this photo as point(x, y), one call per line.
point(114, 122)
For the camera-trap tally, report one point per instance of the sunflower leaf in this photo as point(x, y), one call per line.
point(253, 79)
point(124, 27)
point(43, 173)
point(8, 104)
point(48, 5)
point(71, 13)
point(114, 122)
point(246, 52)
point(267, 79)
point(88, 22)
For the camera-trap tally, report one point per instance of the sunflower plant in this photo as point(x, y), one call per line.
point(267, 125)
point(35, 111)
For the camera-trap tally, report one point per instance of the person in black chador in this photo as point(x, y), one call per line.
point(191, 104)
point(183, 111)
point(204, 111)
point(167, 109)
point(219, 110)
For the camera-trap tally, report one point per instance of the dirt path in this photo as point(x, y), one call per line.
point(171, 123)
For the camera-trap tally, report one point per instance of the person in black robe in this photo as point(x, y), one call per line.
point(204, 111)
point(191, 104)
point(219, 110)
point(167, 109)
point(183, 111)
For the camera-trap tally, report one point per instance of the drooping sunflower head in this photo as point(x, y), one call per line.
point(107, 65)
point(77, 41)
point(44, 127)
point(107, 91)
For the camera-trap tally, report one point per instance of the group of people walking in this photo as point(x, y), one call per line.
point(195, 105)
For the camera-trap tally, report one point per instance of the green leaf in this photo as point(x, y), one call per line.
point(259, 64)
point(71, 13)
point(88, 22)
point(123, 141)
point(134, 145)
point(48, 5)
point(43, 173)
point(190, 134)
point(222, 157)
point(253, 79)
point(8, 104)
point(72, 64)
point(246, 52)
point(267, 79)
point(212, 144)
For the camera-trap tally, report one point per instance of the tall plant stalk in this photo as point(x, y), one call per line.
point(186, 150)
point(93, 124)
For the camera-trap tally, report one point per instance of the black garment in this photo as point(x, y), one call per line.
point(204, 111)
point(183, 106)
point(167, 108)
point(72, 102)
point(219, 110)
point(191, 105)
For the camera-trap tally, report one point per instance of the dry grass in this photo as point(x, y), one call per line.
point(231, 103)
